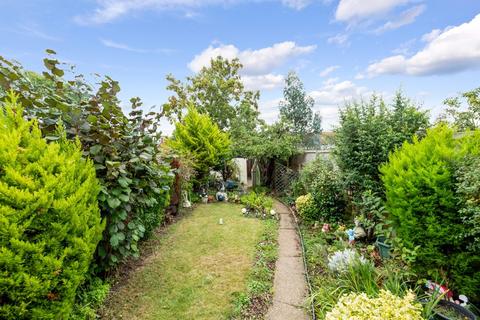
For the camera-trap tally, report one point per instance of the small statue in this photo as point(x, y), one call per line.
point(186, 202)
point(359, 231)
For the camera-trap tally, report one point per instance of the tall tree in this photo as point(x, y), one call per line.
point(368, 132)
point(465, 118)
point(216, 90)
point(297, 108)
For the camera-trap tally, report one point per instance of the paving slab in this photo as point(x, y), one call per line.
point(289, 245)
point(286, 221)
point(290, 287)
point(286, 311)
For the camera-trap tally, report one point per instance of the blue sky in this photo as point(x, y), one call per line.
point(342, 49)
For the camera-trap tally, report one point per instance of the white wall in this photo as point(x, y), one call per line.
point(242, 170)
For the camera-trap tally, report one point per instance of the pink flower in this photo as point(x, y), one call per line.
point(326, 228)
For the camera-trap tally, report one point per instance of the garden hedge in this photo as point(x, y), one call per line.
point(423, 203)
point(50, 223)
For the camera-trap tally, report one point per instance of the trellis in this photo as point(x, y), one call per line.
point(283, 177)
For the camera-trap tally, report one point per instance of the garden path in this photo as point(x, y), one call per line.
point(290, 287)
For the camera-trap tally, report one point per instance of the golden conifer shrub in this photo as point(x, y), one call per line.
point(50, 223)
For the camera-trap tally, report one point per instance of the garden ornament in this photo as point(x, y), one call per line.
point(220, 221)
point(231, 185)
point(436, 288)
point(359, 231)
point(351, 236)
point(244, 210)
point(186, 202)
point(204, 196)
point(326, 228)
point(272, 212)
point(221, 194)
point(463, 300)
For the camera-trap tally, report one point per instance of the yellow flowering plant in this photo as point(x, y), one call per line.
point(306, 207)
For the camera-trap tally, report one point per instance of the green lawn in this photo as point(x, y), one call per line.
point(196, 268)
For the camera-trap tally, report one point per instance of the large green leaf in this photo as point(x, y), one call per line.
point(113, 202)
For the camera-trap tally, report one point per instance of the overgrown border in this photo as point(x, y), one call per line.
point(255, 302)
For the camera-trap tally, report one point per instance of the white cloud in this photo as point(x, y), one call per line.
point(328, 99)
point(334, 92)
point(30, 30)
point(432, 35)
point(269, 109)
point(110, 10)
point(296, 4)
point(339, 39)
point(359, 76)
point(391, 65)
point(325, 72)
point(255, 62)
point(121, 46)
point(258, 65)
point(263, 82)
point(355, 10)
point(405, 47)
point(203, 59)
point(454, 49)
point(406, 17)
point(332, 95)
